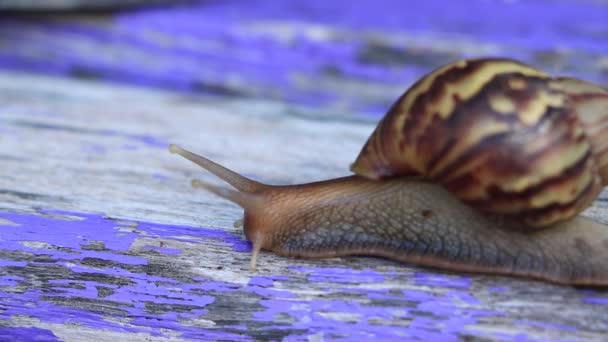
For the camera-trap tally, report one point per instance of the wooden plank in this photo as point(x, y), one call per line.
point(349, 60)
point(72, 5)
point(102, 238)
point(101, 233)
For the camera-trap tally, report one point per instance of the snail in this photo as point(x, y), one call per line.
point(483, 165)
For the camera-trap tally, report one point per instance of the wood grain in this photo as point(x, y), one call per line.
point(102, 233)
point(73, 5)
point(102, 238)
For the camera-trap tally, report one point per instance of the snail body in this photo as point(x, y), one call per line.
point(481, 166)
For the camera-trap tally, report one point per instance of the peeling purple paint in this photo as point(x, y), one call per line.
point(313, 316)
point(237, 327)
point(43, 235)
point(68, 234)
point(264, 281)
point(146, 140)
point(463, 296)
point(442, 280)
point(149, 140)
point(94, 149)
point(418, 296)
point(157, 324)
point(262, 286)
point(343, 275)
point(9, 280)
point(143, 322)
point(82, 282)
point(271, 293)
point(22, 334)
point(213, 50)
point(160, 176)
point(482, 19)
point(595, 300)
point(163, 250)
point(212, 286)
point(448, 313)
point(5, 263)
point(497, 289)
point(380, 294)
point(355, 320)
point(445, 314)
point(238, 244)
point(523, 338)
point(262, 65)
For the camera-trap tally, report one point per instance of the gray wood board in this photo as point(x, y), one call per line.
point(71, 5)
point(102, 237)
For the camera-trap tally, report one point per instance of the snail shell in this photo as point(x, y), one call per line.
point(499, 135)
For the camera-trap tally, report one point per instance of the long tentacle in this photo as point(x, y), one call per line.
point(238, 181)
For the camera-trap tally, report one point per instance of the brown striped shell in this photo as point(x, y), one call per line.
point(500, 135)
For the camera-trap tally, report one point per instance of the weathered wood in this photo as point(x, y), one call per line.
point(102, 233)
point(71, 5)
point(102, 238)
point(351, 61)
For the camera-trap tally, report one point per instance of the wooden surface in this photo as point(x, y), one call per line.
point(73, 5)
point(102, 238)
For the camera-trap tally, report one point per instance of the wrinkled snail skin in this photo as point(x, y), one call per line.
point(420, 223)
point(427, 190)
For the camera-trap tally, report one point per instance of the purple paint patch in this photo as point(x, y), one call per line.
point(123, 259)
point(380, 295)
point(355, 320)
point(49, 233)
point(163, 250)
point(5, 263)
point(212, 286)
point(270, 293)
point(446, 314)
point(595, 300)
point(286, 49)
point(131, 299)
point(32, 334)
point(158, 324)
point(462, 296)
point(418, 296)
point(237, 327)
point(66, 240)
point(238, 244)
point(442, 280)
point(160, 176)
point(9, 280)
point(84, 289)
point(522, 338)
point(149, 141)
point(146, 140)
point(343, 275)
point(263, 286)
point(266, 280)
point(94, 149)
point(60, 233)
point(160, 305)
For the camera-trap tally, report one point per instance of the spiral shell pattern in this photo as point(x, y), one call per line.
point(501, 136)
